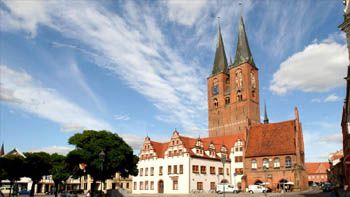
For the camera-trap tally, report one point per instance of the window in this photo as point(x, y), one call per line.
point(239, 171)
point(227, 100)
point(212, 170)
point(199, 185)
point(175, 169)
point(181, 169)
point(169, 154)
point(266, 163)
point(203, 170)
point(146, 185)
point(221, 171)
point(276, 163)
point(135, 185)
point(288, 162)
point(146, 172)
point(127, 185)
point(195, 169)
point(160, 170)
point(169, 169)
point(238, 159)
point(216, 103)
point(212, 186)
point(152, 185)
point(254, 165)
point(141, 171)
point(175, 185)
point(141, 185)
point(152, 171)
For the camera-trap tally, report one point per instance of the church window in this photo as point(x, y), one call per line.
point(239, 79)
point(276, 163)
point(216, 103)
point(266, 163)
point(254, 164)
point(227, 100)
point(288, 162)
point(215, 87)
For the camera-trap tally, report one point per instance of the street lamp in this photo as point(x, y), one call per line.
point(102, 156)
point(223, 160)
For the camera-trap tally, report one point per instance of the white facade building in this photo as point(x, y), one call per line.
point(186, 165)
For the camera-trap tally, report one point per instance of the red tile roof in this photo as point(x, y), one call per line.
point(160, 148)
point(271, 139)
point(317, 167)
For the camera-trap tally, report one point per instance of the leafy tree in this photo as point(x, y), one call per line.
point(37, 165)
point(59, 171)
point(118, 155)
point(11, 168)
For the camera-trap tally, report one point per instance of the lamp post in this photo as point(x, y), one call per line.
point(102, 156)
point(223, 160)
point(265, 171)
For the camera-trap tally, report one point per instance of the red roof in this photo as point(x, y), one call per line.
point(159, 148)
point(317, 167)
point(271, 139)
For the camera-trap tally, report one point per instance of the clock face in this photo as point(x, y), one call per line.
point(215, 89)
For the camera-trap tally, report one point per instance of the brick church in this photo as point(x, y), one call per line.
point(256, 152)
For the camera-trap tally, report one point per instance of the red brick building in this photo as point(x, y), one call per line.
point(234, 107)
point(317, 172)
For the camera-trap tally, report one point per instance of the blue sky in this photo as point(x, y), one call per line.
point(139, 68)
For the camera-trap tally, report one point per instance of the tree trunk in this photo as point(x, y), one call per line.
point(32, 188)
point(93, 187)
point(56, 189)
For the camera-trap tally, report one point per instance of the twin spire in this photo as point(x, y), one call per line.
point(243, 54)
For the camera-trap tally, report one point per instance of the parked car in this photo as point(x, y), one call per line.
point(257, 189)
point(327, 187)
point(220, 188)
point(23, 192)
point(5, 189)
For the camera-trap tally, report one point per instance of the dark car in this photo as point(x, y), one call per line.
point(23, 192)
point(327, 188)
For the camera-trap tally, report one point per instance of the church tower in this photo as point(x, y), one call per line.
point(233, 91)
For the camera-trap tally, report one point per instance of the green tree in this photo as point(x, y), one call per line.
point(59, 171)
point(118, 155)
point(11, 168)
point(37, 165)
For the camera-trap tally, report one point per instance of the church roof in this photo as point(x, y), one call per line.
point(220, 61)
point(317, 167)
point(243, 54)
point(271, 139)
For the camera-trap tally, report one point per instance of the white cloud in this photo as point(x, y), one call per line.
point(121, 117)
point(62, 150)
point(318, 68)
point(332, 98)
point(19, 89)
point(185, 12)
point(133, 47)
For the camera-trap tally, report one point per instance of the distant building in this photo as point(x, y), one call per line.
point(345, 26)
point(270, 152)
point(335, 173)
point(317, 172)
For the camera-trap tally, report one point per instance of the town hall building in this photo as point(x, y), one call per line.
point(240, 149)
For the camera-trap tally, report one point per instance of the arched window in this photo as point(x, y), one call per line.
point(276, 162)
point(266, 163)
point(254, 165)
point(216, 103)
point(288, 162)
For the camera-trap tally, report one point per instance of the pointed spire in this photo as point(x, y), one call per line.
point(220, 61)
point(266, 119)
point(243, 54)
point(2, 151)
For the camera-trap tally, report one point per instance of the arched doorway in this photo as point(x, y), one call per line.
point(160, 186)
point(282, 184)
point(258, 182)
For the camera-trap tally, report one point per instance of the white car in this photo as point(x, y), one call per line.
point(227, 188)
point(257, 189)
point(5, 189)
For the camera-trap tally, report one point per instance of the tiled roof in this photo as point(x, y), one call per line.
point(317, 167)
point(271, 139)
point(190, 143)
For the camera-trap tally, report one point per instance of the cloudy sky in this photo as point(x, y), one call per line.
point(139, 68)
